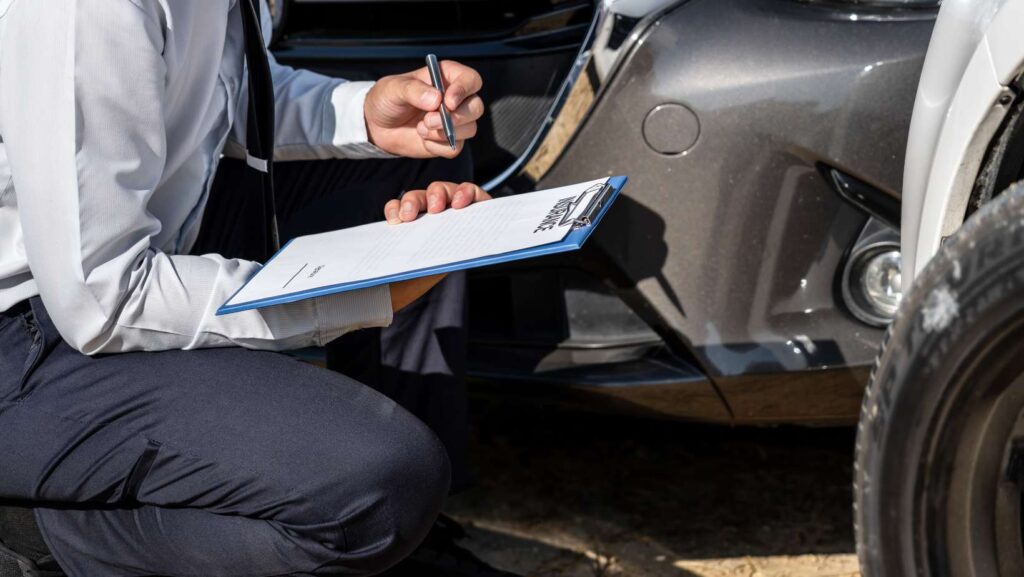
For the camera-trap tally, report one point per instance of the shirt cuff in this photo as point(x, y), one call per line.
point(346, 312)
point(350, 137)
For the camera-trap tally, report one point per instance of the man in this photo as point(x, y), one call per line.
point(149, 436)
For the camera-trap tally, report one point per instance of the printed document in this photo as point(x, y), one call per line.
point(377, 253)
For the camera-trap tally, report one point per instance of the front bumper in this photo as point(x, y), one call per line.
point(729, 251)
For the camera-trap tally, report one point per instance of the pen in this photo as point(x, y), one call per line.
point(446, 118)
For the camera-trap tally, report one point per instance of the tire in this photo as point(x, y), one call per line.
point(940, 446)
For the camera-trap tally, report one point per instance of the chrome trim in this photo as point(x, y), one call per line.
point(598, 60)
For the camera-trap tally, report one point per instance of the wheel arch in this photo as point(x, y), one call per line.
point(976, 54)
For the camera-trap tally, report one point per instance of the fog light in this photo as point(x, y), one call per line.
point(882, 282)
point(873, 283)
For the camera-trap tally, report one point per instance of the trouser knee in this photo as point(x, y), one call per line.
point(380, 511)
point(416, 480)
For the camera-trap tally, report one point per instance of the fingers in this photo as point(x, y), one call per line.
point(436, 198)
point(391, 210)
point(415, 90)
point(464, 118)
point(434, 148)
point(464, 132)
point(466, 194)
point(418, 94)
point(407, 208)
point(470, 111)
point(480, 194)
point(462, 80)
point(439, 195)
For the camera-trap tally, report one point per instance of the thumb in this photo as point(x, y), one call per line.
point(418, 94)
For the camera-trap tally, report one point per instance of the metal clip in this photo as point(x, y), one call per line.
point(586, 218)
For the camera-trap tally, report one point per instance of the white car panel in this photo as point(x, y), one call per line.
point(976, 49)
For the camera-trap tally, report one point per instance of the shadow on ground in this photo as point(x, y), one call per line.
point(571, 494)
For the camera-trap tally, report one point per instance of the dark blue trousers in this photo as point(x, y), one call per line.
point(420, 360)
point(228, 462)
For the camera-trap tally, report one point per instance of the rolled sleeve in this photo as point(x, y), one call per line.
point(348, 105)
point(317, 116)
point(361, 309)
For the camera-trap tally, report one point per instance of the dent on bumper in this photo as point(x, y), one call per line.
point(735, 245)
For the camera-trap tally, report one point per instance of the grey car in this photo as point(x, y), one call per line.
point(747, 273)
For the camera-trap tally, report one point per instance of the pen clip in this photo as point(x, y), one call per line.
point(586, 218)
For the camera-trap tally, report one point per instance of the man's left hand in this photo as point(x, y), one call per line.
point(435, 198)
point(403, 112)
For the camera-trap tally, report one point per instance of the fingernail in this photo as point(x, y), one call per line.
point(422, 130)
point(429, 97)
point(408, 209)
point(433, 121)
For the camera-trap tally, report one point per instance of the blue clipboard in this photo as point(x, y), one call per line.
point(584, 226)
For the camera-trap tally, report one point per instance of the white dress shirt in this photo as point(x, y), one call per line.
point(113, 115)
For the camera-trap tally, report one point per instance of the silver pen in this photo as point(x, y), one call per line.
point(446, 118)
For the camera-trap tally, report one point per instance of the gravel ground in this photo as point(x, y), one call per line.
point(582, 495)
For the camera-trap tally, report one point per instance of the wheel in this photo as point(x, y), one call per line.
point(940, 448)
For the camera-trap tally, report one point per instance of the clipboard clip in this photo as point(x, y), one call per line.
point(590, 212)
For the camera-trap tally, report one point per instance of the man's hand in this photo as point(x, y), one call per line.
point(402, 112)
point(436, 198)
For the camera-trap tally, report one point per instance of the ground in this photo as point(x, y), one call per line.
point(585, 495)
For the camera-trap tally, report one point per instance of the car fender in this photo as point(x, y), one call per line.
point(975, 52)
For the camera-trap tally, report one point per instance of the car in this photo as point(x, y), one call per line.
point(940, 457)
point(747, 274)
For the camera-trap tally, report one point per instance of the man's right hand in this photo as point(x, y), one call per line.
point(402, 112)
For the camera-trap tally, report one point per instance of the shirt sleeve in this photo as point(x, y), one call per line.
point(83, 124)
point(317, 116)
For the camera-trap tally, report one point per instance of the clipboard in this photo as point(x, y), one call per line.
point(582, 226)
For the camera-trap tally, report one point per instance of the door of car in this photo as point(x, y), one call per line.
point(523, 49)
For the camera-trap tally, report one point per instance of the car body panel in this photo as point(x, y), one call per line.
point(736, 243)
point(713, 289)
point(975, 53)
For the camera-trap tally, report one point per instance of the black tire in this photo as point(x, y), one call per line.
point(940, 447)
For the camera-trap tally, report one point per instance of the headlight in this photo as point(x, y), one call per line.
point(873, 283)
point(882, 282)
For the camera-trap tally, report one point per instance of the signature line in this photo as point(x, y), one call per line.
point(295, 275)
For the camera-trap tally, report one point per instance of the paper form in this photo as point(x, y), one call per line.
point(381, 251)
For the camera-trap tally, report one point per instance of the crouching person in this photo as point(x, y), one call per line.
point(141, 434)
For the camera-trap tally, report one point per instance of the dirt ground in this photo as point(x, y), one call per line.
point(565, 494)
